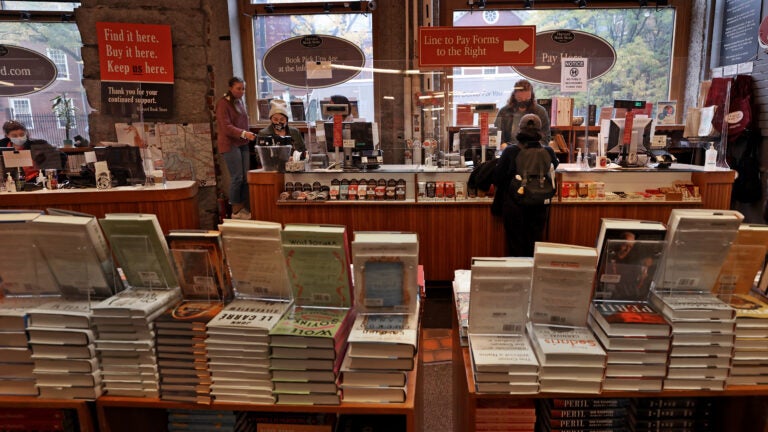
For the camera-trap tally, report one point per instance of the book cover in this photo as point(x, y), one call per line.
point(745, 259)
point(749, 309)
point(666, 112)
point(250, 315)
point(563, 276)
point(502, 353)
point(329, 327)
point(317, 259)
point(628, 254)
point(198, 256)
point(190, 312)
point(85, 269)
point(141, 250)
point(138, 303)
point(691, 306)
point(385, 271)
point(385, 335)
point(500, 292)
point(254, 254)
point(629, 319)
point(565, 345)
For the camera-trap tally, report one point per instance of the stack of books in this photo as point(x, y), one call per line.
point(571, 359)
point(38, 419)
point(505, 414)
point(680, 413)
point(307, 347)
point(125, 340)
point(750, 351)
point(702, 340)
point(381, 349)
point(200, 420)
point(500, 352)
point(563, 414)
point(636, 341)
point(16, 378)
point(460, 285)
point(238, 350)
point(62, 339)
point(181, 351)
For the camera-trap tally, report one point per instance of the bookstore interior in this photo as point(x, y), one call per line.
point(645, 308)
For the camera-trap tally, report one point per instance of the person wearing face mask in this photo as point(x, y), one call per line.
point(232, 140)
point(522, 101)
point(17, 136)
point(278, 126)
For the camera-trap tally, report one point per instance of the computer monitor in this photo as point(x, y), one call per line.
point(361, 132)
point(640, 141)
point(124, 163)
point(470, 138)
point(46, 156)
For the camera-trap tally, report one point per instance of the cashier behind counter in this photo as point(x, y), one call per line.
point(44, 156)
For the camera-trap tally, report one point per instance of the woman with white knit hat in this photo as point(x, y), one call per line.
point(278, 126)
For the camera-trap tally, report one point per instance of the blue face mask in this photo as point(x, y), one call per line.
point(18, 142)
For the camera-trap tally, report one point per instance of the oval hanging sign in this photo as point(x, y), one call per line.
point(553, 45)
point(23, 71)
point(310, 61)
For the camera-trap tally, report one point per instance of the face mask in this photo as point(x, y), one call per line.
point(278, 126)
point(19, 141)
point(523, 104)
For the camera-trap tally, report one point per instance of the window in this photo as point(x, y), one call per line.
point(21, 110)
point(642, 38)
point(58, 57)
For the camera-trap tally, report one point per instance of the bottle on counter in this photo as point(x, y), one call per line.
point(710, 157)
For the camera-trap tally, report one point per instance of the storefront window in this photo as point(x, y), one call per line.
point(60, 42)
point(641, 37)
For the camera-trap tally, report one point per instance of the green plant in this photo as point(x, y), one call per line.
point(64, 109)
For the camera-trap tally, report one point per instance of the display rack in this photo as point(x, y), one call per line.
point(742, 408)
point(82, 408)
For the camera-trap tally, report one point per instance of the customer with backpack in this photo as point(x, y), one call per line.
point(524, 180)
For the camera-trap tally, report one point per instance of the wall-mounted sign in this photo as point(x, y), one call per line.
point(23, 71)
point(476, 46)
point(313, 61)
point(553, 45)
point(136, 63)
point(741, 22)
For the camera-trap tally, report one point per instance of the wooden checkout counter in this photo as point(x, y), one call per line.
point(174, 203)
point(453, 231)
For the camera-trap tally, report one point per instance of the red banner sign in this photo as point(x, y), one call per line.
point(476, 46)
point(135, 52)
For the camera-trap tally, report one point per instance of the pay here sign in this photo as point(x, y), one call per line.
point(476, 46)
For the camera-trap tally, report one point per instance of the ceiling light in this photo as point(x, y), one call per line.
point(269, 8)
point(527, 4)
point(643, 3)
point(581, 4)
point(327, 8)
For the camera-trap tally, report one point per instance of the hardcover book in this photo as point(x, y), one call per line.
point(563, 346)
point(500, 292)
point(198, 256)
point(562, 284)
point(254, 254)
point(385, 271)
point(317, 259)
point(142, 253)
point(691, 307)
point(745, 259)
point(629, 319)
point(313, 327)
point(628, 254)
point(511, 354)
point(385, 335)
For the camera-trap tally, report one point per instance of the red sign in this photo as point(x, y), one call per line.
point(135, 52)
point(476, 46)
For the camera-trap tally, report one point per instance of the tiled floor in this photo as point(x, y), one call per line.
point(437, 345)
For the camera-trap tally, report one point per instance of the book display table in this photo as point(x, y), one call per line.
point(174, 203)
point(452, 231)
point(741, 408)
point(116, 414)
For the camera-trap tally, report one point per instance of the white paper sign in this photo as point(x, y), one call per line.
point(319, 70)
point(573, 74)
point(22, 158)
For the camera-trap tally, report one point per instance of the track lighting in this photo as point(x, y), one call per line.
point(527, 4)
point(269, 8)
point(581, 4)
point(643, 3)
point(25, 16)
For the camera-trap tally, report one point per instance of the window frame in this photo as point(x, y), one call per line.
point(61, 66)
point(28, 119)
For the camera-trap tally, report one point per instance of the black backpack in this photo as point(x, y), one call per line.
point(532, 184)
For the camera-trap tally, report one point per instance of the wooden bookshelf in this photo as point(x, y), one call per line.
point(126, 414)
point(82, 408)
point(741, 409)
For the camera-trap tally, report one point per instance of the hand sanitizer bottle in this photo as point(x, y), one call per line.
point(710, 157)
point(10, 185)
point(578, 159)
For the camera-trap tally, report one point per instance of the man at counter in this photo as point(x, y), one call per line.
point(522, 101)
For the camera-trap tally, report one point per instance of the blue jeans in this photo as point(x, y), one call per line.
point(238, 162)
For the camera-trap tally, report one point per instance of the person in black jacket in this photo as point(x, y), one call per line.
point(523, 224)
point(17, 136)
